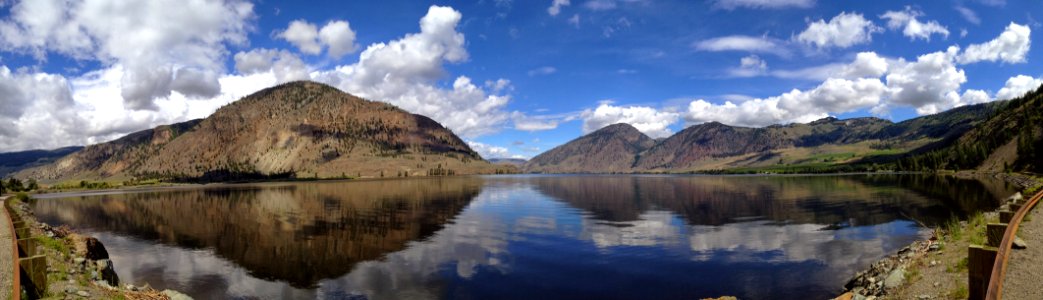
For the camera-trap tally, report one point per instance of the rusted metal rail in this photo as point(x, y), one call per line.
point(999, 268)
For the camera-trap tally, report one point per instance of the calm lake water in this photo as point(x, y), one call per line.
point(518, 237)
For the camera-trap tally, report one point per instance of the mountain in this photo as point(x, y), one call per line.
point(1010, 138)
point(796, 147)
point(297, 129)
point(12, 162)
point(613, 148)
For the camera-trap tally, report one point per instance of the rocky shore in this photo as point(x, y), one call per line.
point(79, 267)
point(898, 275)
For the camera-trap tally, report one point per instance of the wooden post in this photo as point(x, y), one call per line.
point(34, 275)
point(1015, 207)
point(1005, 216)
point(994, 233)
point(26, 247)
point(980, 260)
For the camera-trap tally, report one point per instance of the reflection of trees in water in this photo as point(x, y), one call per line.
point(300, 233)
point(717, 200)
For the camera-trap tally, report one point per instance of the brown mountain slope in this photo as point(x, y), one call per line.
point(112, 158)
point(715, 140)
point(610, 149)
point(297, 129)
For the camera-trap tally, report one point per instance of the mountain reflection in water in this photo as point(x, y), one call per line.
point(611, 237)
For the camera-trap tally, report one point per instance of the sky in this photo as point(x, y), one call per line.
point(513, 78)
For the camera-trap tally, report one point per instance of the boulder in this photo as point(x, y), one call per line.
point(895, 279)
point(175, 295)
point(95, 250)
point(107, 272)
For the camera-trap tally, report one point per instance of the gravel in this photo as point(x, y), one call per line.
point(6, 254)
point(1025, 266)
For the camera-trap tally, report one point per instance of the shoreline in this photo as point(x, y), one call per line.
point(79, 265)
point(895, 274)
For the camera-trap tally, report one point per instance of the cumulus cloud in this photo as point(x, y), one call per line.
point(742, 43)
point(135, 35)
point(1010, 47)
point(762, 4)
point(866, 64)
point(842, 31)
point(303, 35)
point(338, 36)
point(653, 122)
point(600, 4)
point(835, 95)
point(406, 72)
point(750, 66)
point(285, 66)
point(911, 27)
point(488, 151)
point(308, 38)
point(930, 84)
point(1017, 86)
point(555, 6)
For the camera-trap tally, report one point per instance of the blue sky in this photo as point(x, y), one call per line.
point(514, 78)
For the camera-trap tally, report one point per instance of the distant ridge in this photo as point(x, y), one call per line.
point(713, 146)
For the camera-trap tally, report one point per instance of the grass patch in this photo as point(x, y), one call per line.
point(912, 274)
point(52, 243)
point(961, 266)
point(960, 292)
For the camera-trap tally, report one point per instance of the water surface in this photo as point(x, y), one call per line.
point(518, 237)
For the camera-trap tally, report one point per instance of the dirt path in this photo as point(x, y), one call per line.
point(6, 254)
point(1025, 266)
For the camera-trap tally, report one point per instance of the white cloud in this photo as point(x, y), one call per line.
point(971, 97)
point(842, 31)
point(136, 35)
point(600, 4)
point(930, 84)
point(555, 6)
point(530, 123)
point(742, 43)
point(913, 28)
point(1017, 86)
point(338, 36)
point(835, 95)
point(309, 39)
point(653, 122)
point(1011, 47)
point(750, 66)
point(303, 35)
point(763, 4)
point(545, 70)
point(488, 151)
point(406, 72)
point(968, 14)
point(285, 66)
point(865, 65)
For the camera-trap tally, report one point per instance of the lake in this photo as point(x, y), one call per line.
point(518, 237)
